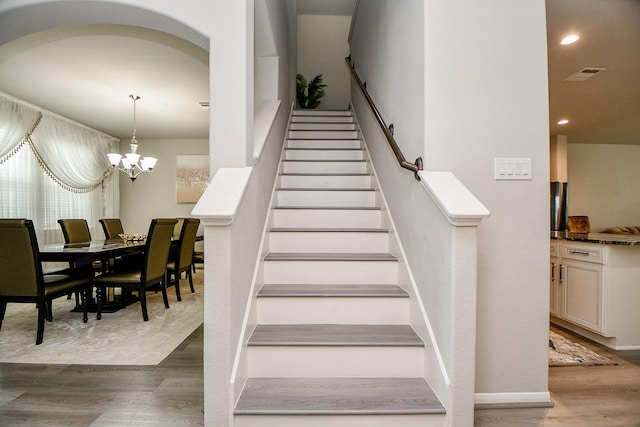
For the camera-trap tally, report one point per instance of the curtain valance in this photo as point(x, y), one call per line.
point(16, 120)
point(73, 155)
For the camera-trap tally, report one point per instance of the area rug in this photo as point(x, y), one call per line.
point(570, 353)
point(120, 338)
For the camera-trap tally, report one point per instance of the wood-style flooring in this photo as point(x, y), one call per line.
point(171, 394)
point(589, 396)
point(168, 394)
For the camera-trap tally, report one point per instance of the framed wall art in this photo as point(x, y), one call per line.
point(192, 177)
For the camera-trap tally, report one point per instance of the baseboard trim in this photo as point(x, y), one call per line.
point(513, 400)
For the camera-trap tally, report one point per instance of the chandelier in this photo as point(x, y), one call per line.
point(132, 164)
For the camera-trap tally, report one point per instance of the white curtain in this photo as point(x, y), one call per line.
point(17, 121)
point(60, 170)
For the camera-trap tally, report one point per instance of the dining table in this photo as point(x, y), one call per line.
point(85, 254)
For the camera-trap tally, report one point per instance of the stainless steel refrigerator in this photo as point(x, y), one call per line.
point(559, 198)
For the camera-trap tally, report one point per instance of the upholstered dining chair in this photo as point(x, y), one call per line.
point(197, 258)
point(181, 259)
point(151, 274)
point(22, 279)
point(112, 227)
point(77, 231)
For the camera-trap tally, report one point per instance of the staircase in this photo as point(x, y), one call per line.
point(333, 345)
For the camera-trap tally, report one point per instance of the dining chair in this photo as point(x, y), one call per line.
point(112, 227)
point(22, 279)
point(77, 231)
point(151, 274)
point(197, 258)
point(182, 258)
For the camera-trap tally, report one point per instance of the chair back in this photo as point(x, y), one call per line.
point(187, 243)
point(19, 259)
point(157, 251)
point(75, 230)
point(112, 227)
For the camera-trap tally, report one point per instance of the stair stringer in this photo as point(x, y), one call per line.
point(434, 367)
point(239, 372)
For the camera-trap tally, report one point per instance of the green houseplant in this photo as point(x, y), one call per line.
point(309, 95)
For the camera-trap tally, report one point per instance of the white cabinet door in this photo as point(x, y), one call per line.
point(554, 268)
point(582, 294)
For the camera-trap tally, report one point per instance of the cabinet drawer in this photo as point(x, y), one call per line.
point(583, 252)
point(554, 249)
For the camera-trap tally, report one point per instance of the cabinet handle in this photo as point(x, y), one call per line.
point(575, 252)
point(561, 269)
point(553, 271)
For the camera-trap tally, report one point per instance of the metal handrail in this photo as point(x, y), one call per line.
point(388, 130)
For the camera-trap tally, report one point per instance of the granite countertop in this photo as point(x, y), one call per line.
point(602, 238)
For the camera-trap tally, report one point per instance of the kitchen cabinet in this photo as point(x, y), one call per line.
point(595, 291)
point(554, 268)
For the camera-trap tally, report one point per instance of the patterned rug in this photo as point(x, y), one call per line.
point(569, 353)
point(120, 338)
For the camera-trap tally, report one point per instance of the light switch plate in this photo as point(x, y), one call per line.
point(512, 168)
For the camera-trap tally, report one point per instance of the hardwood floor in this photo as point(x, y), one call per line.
point(171, 393)
point(597, 396)
point(168, 394)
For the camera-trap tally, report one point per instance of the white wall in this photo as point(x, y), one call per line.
point(486, 97)
point(322, 47)
point(603, 184)
point(154, 196)
point(465, 82)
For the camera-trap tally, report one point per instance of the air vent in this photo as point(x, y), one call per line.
point(204, 104)
point(584, 74)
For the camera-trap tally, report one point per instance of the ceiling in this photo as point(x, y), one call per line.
point(86, 73)
point(604, 109)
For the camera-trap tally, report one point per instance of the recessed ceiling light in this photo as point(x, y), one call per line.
point(571, 38)
point(563, 122)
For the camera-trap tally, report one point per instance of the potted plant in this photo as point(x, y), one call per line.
point(309, 95)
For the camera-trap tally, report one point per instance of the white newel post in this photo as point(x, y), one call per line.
point(464, 213)
point(217, 209)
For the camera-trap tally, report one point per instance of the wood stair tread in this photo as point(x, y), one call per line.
point(323, 149)
point(331, 208)
point(325, 160)
point(327, 230)
point(325, 189)
point(337, 396)
point(339, 256)
point(323, 174)
point(365, 291)
point(335, 335)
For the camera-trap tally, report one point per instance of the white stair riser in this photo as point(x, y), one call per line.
point(308, 154)
point(326, 198)
point(322, 113)
point(332, 310)
point(328, 242)
point(324, 167)
point(347, 218)
point(322, 119)
point(324, 143)
point(322, 126)
point(331, 272)
point(335, 361)
point(430, 420)
point(322, 134)
point(325, 181)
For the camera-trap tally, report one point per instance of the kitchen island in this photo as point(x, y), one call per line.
point(595, 287)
